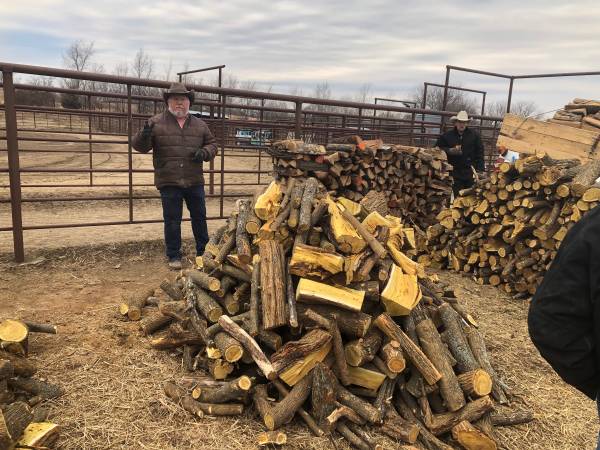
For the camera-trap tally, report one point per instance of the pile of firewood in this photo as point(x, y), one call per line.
point(415, 182)
point(309, 305)
point(507, 229)
point(22, 412)
point(580, 113)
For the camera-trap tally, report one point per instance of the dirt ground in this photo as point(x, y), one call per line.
point(113, 379)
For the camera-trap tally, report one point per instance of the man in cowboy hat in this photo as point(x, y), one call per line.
point(180, 143)
point(465, 151)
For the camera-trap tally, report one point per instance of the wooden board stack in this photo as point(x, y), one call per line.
point(304, 297)
point(23, 413)
point(507, 228)
point(415, 181)
point(580, 113)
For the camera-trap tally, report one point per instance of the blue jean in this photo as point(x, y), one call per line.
point(172, 198)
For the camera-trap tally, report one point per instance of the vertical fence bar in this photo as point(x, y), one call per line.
point(14, 173)
point(223, 136)
point(510, 92)
point(445, 99)
point(129, 152)
point(89, 102)
point(298, 117)
point(359, 123)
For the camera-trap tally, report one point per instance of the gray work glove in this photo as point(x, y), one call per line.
point(147, 130)
point(455, 151)
point(200, 155)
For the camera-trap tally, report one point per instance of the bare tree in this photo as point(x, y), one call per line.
point(79, 54)
point(520, 108)
point(456, 101)
point(142, 66)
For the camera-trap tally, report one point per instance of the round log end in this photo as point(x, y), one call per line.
point(244, 383)
point(482, 383)
point(214, 314)
point(396, 365)
point(214, 284)
point(269, 421)
point(234, 353)
point(196, 393)
point(213, 353)
point(252, 227)
point(123, 309)
point(134, 314)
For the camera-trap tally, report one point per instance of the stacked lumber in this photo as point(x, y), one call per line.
point(23, 413)
point(415, 181)
point(507, 228)
point(530, 137)
point(580, 113)
point(303, 305)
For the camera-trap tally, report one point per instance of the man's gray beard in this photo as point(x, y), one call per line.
point(178, 114)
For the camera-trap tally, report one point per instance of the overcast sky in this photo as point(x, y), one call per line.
point(393, 46)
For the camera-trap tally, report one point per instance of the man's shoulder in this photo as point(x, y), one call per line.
point(160, 117)
point(197, 122)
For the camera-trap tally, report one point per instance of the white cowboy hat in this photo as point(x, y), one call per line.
point(462, 116)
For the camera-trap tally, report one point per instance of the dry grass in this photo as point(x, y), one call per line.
point(113, 380)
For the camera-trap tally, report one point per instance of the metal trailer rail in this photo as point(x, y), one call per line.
point(111, 118)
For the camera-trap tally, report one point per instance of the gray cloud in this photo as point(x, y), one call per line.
point(392, 45)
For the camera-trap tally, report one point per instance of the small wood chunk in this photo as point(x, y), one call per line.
point(475, 383)
point(272, 438)
point(471, 438)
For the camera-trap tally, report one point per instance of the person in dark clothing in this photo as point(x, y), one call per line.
point(180, 144)
point(465, 152)
point(564, 315)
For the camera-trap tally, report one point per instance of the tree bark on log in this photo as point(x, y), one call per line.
point(363, 350)
point(471, 438)
point(284, 411)
point(171, 290)
point(351, 324)
point(154, 322)
point(249, 344)
point(133, 304)
point(272, 283)
point(203, 280)
point(323, 394)
point(13, 421)
point(234, 390)
point(36, 387)
point(434, 348)
point(456, 340)
point(310, 189)
point(242, 241)
point(387, 325)
point(363, 408)
point(442, 423)
point(479, 350)
point(306, 417)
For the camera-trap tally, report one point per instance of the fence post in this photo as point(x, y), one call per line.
point(14, 172)
point(223, 137)
point(298, 130)
point(129, 152)
point(89, 100)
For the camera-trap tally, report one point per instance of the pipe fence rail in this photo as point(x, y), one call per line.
point(90, 138)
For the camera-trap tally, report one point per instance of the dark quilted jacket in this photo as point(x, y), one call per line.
point(173, 148)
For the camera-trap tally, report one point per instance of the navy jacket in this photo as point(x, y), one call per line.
point(564, 315)
point(472, 152)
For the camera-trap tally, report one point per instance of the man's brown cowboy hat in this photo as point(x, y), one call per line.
point(178, 89)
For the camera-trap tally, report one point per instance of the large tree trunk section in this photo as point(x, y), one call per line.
point(386, 324)
point(351, 324)
point(272, 283)
point(250, 345)
point(434, 348)
point(311, 292)
point(13, 421)
point(442, 423)
point(471, 438)
point(363, 350)
point(284, 411)
point(132, 304)
point(242, 241)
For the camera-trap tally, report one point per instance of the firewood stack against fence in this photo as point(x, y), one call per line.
point(414, 182)
point(334, 323)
